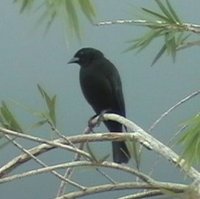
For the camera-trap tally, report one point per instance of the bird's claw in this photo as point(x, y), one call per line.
point(96, 120)
point(93, 122)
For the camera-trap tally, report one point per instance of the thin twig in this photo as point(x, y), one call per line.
point(182, 27)
point(43, 164)
point(146, 179)
point(69, 171)
point(150, 142)
point(145, 194)
point(188, 44)
point(168, 144)
point(76, 164)
point(91, 124)
point(106, 176)
point(139, 134)
point(60, 135)
point(125, 186)
point(40, 140)
point(194, 94)
point(166, 113)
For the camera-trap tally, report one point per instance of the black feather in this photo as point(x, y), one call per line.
point(101, 85)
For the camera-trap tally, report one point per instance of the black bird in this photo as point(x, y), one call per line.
point(101, 85)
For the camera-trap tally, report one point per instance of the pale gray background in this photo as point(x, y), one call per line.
point(29, 57)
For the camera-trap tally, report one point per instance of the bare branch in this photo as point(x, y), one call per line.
point(138, 134)
point(69, 171)
point(52, 144)
point(43, 164)
point(194, 94)
point(124, 186)
point(150, 142)
point(75, 164)
point(145, 194)
point(149, 182)
point(140, 22)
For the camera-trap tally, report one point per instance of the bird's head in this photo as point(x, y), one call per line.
point(85, 56)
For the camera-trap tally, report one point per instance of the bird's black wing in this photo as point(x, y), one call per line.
point(120, 151)
point(115, 82)
point(96, 88)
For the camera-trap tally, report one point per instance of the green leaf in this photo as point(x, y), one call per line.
point(50, 21)
point(67, 9)
point(72, 16)
point(155, 14)
point(145, 40)
point(165, 11)
point(160, 53)
point(88, 9)
point(39, 124)
point(51, 106)
point(173, 13)
point(8, 119)
point(134, 150)
point(170, 42)
point(166, 24)
point(52, 110)
point(25, 4)
point(191, 141)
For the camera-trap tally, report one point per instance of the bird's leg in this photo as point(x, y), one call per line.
point(96, 119)
point(92, 122)
point(100, 118)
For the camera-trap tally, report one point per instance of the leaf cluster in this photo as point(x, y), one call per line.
point(68, 9)
point(9, 120)
point(164, 24)
point(191, 141)
point(48, 116)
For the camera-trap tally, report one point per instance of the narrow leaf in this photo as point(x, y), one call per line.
point(25, 4)
point(173, 13)
point(87, 9)
point(8, 119)
point(72, 16)
point(191, 141)
point(51, 105)
point(52, 112)
point(165, 11)
point(155, 14)
point(39, 124)
point(159, 54)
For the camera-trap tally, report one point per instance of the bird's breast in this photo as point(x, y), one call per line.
point(96, 89)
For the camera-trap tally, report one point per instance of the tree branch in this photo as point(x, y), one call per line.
point(182, 101)
point(137, 134)
point(124, 186)
point(43, 164)
point(140, 22)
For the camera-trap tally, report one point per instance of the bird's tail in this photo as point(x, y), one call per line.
point(120, 152)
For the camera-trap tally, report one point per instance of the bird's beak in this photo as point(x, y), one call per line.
point(73, 60)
